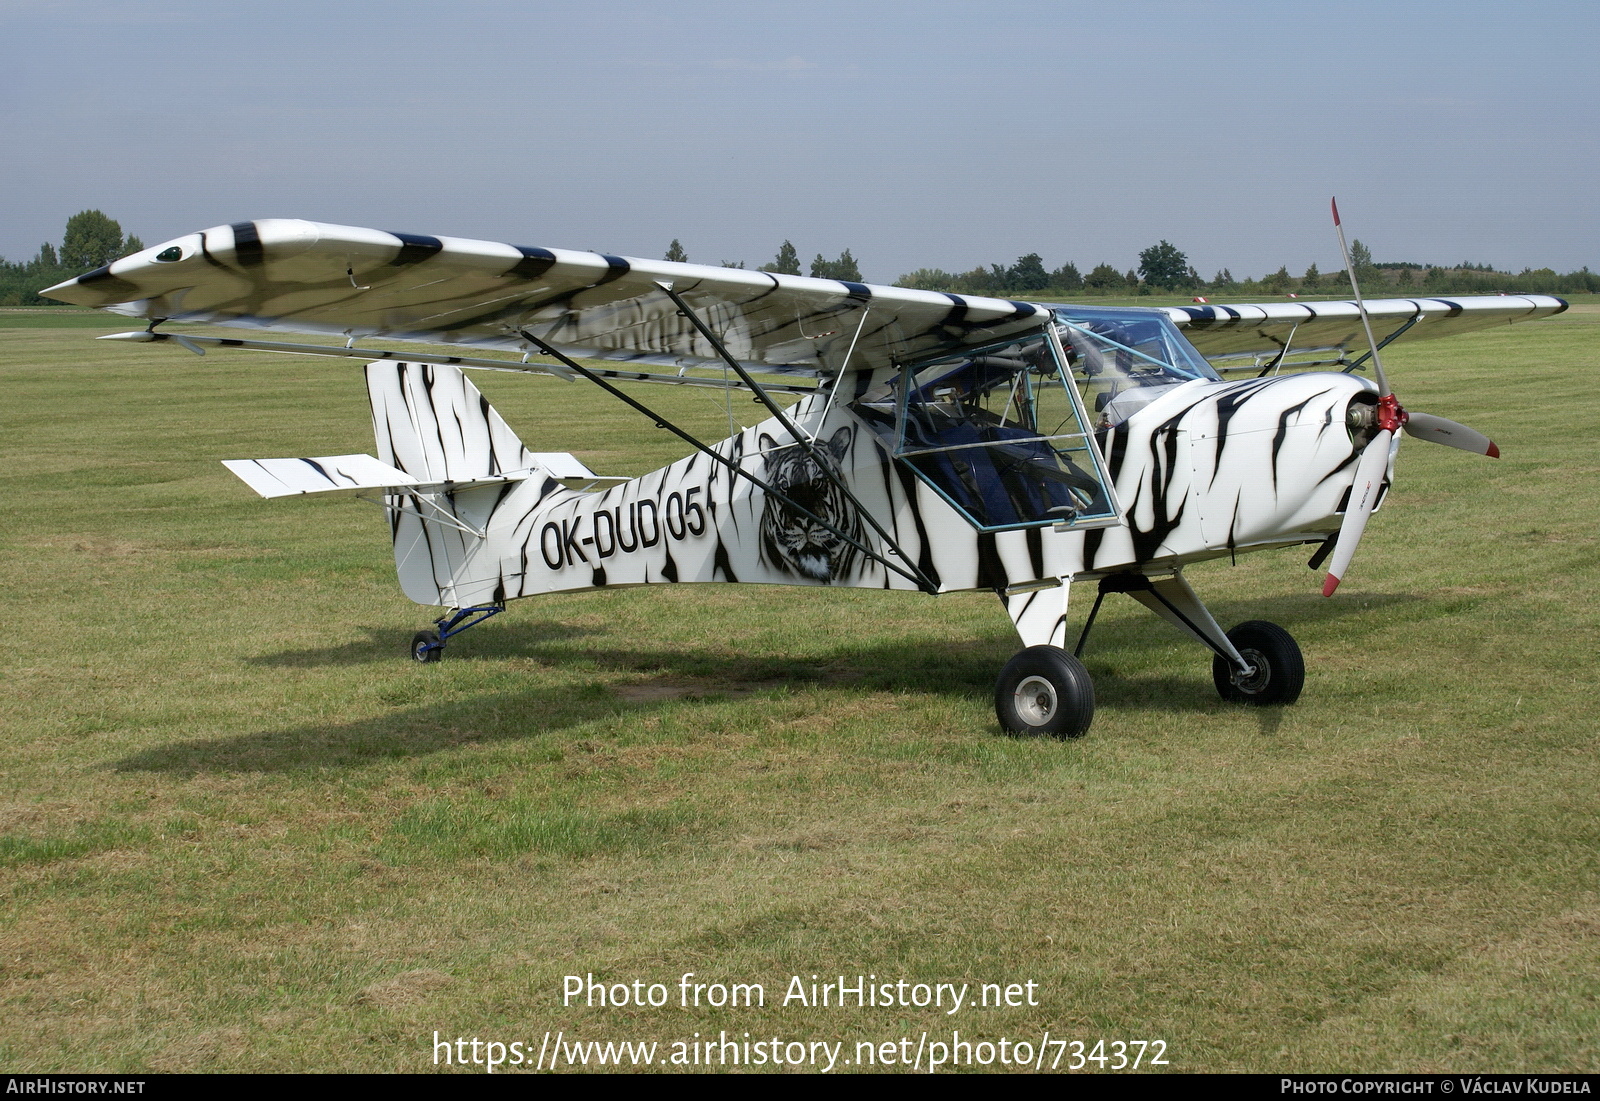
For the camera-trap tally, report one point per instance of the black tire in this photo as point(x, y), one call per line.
point(1280, 670)
point(425, 646)
point(1045, 690)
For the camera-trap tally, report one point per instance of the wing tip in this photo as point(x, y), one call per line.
point(1329, 584)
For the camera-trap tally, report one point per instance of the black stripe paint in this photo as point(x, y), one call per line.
point(991, 567)
point(103, 280)
point(616, 268)
point(534, 263)
point(247, 246)
point(414, 248)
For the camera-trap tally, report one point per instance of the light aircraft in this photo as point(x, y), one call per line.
point(913, 441)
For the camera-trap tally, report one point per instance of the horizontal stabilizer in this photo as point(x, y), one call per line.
point(352, 475)
point(342, 474)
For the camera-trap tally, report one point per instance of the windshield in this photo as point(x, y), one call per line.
point(1125, 359)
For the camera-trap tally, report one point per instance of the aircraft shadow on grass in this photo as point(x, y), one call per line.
point(958, 666)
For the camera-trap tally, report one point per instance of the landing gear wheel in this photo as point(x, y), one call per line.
point(1280, 671)
point(1045, 690)
point(425, 646)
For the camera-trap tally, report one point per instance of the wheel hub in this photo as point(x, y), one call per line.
point(1255, 681)
point(1036, 700)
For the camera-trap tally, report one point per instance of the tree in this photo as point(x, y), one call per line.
point(928, 279)
point(1028, 274)
point(1224, 279)
point(1312, 280)
point(991, 280)
point(787, 262)
point(843, 268)
point(1278, 281)
point(676, 254)
point(1361, 261)
point(1162, 265)
point(132, 245)
point(733, 264)
point(92, 241)
point(1104, 278)
point(1067, 278)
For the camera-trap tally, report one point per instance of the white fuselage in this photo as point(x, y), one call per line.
point(1206, 470)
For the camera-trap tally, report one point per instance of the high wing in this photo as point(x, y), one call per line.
point(1309, 334)
point(310, 277)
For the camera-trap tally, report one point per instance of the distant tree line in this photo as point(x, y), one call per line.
point(787, 262)
point(1163, 269)
point(91, 241)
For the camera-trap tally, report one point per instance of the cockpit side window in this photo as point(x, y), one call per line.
point(1000, 433)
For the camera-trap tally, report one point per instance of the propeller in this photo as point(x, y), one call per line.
point(1426, 426)
point(1389, 418)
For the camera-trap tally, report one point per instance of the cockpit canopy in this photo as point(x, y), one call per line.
point(1124, 359)
point(1005, 432)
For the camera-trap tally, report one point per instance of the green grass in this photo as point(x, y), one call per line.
point(64, 317)
point(239, 830)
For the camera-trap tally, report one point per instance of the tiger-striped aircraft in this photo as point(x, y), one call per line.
point(913, 440)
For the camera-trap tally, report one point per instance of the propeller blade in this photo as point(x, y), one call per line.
point(1363, 495)
point(1426, 426)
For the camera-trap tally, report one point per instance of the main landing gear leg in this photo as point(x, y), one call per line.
point(428, 646)
point(1257, 662)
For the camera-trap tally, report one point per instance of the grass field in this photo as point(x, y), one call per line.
point(240, 830)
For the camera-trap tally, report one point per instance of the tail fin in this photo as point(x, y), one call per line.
point(432, 423)
point(434, 430)
point(447, 461)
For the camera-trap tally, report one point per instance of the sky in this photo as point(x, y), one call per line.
point(916, 134)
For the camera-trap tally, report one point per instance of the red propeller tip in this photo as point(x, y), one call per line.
point(1330, 584)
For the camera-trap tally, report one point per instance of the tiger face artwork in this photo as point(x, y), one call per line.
point(793, 542)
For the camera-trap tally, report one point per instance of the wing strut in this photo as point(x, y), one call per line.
point(1384, 343)
point(1277, 360)
point(917, 578)
point(800, 438)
